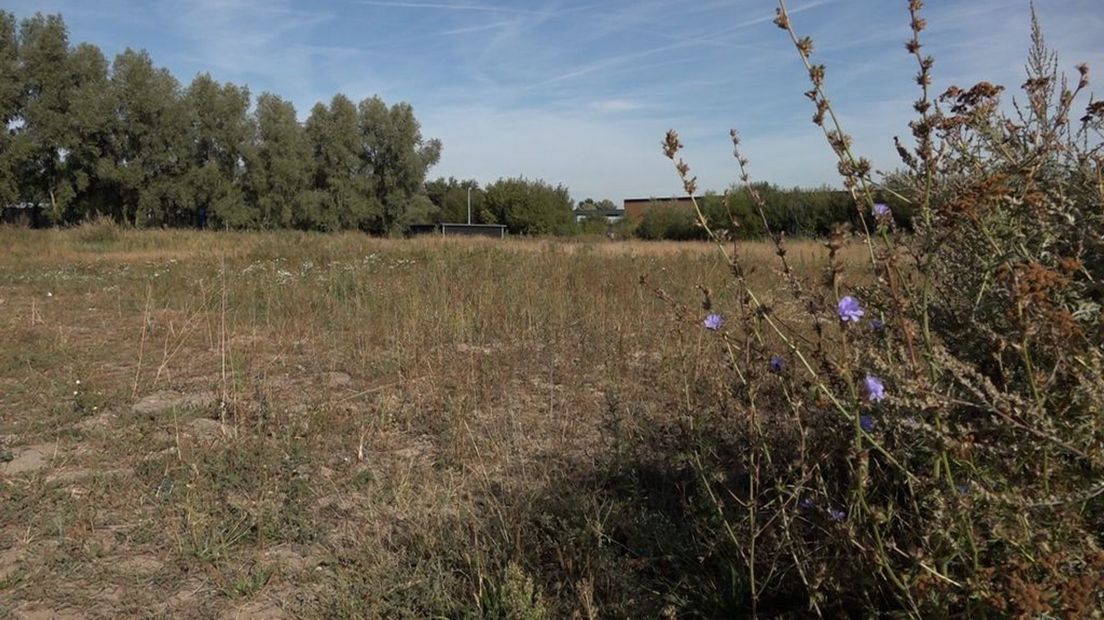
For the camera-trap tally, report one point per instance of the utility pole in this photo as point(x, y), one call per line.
point(469, 205)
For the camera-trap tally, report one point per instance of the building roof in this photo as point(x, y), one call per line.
point(662, 200)
point(600, 212)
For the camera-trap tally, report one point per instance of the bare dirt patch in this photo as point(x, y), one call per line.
point(29, 459)
point(143, 565)
point(167, 400)
point(259, 609)
point(35, 612)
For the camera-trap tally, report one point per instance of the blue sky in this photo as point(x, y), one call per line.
point(581, 92)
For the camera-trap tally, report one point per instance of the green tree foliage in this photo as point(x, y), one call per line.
point(672, 223)
point(396, 159)
point(450, 197)
point(148, 150)
point(796, 212)
point(341, 196)
point(531, 207)
point(590, 204)
point(40, 143)
point(219, 133)
point(89, 135)
point(61, 130)
point(593, 225)
point(11, 102)
point(84, 138)
point(279, 168)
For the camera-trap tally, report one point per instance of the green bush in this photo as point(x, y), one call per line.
point(593, 225)
point(530, 207)
point(671, 223)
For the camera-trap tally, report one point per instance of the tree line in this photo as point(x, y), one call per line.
point(796, 212)
point(85, 137)
point(524, 206)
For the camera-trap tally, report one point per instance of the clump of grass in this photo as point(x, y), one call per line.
point(99, 232)
point(931, 442)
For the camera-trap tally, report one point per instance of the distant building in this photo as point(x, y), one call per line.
point(635, 208)
point(496, 231)
point(28, 214)
point(612, 215)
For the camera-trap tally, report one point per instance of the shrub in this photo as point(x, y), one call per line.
point(930, 442)
point(671, 223)
point(530, 207)
point(593, 225)
point(99, 231)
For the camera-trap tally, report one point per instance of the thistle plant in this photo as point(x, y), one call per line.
point(930, 441)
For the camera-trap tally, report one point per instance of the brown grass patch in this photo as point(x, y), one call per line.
point(376, 395)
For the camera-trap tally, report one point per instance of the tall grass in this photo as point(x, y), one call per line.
point(417, 424)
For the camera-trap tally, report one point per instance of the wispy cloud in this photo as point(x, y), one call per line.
point(471, 29)
point(615, 105)
point(486, 8)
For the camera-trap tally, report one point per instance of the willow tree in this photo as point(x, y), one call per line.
point(43, 131)
point(340, 198)
point(149, 142)
point(11, 101)
point(278, 167)
point(219, 134)
point(396, 159)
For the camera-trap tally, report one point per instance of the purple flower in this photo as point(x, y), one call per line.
point(875, 389)
point(880, 210)
point(850, 310)
point(877, 325)
point(866, 422)
point(713, 322)
point(837, 514)
point(806, 504)
point(777, 363)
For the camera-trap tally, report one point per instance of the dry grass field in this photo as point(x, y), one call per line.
point(283, 425)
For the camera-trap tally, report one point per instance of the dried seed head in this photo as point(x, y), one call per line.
point(781, 19)
point(1093, 110)
point(805, 46)
point(840, 142)
point(816, 74)
point(862, 167)
point(671, 144)
point(822, 109)
point(1083, 70)
point(906, 157)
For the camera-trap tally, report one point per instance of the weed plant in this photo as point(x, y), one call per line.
point(932, 442)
